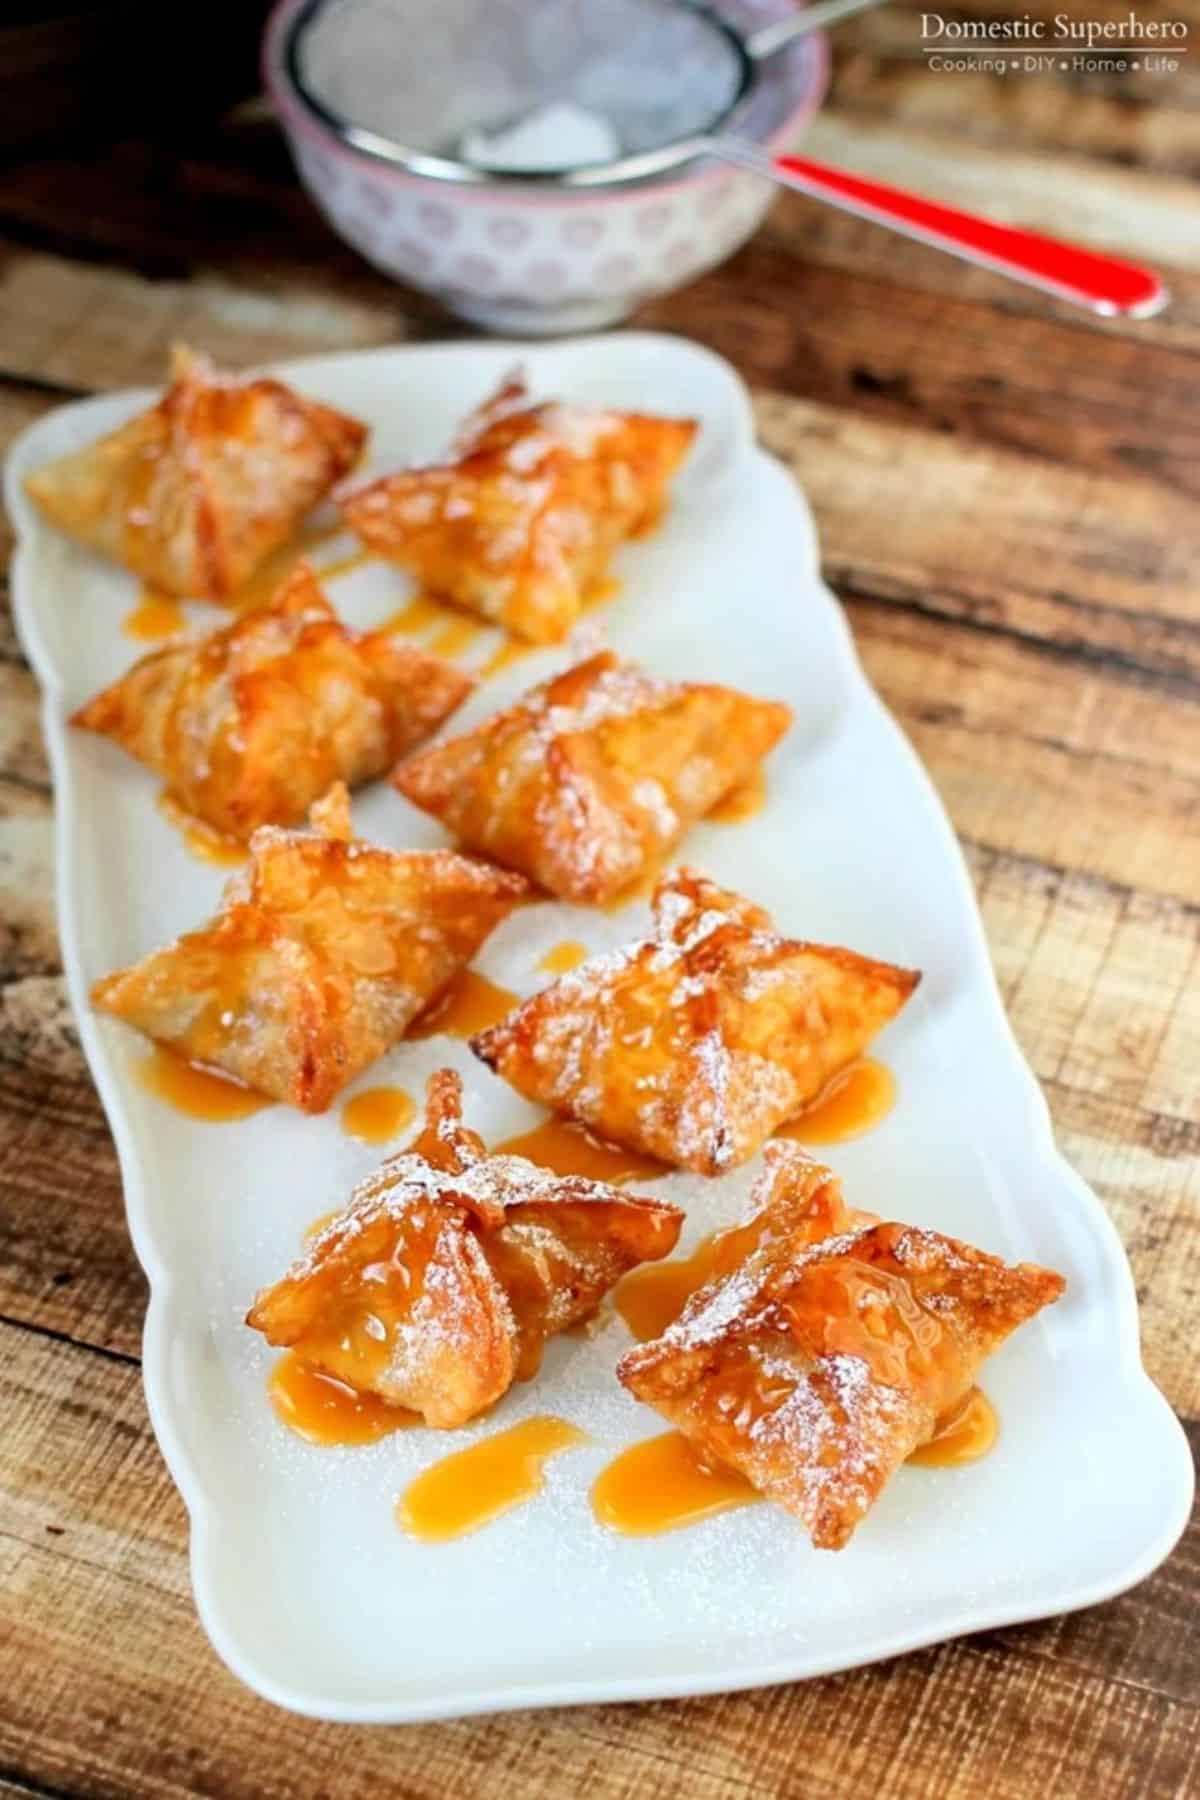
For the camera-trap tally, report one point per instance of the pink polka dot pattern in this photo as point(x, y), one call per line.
point(438, 220)
point(616, 273)
point(507, 232)
point(411, 256)
point(583, 234)
point(682, 254)
point(478, 272)
point(562, 262)
point(546, 278)
point(373, 199)
point(652, 222)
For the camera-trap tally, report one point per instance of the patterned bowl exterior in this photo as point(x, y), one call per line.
point(528, 262)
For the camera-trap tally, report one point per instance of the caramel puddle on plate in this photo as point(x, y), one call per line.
point(318, 1225)
point(639, 889)
point(274, 569)
point(854, 1102)
point(198, 1093)
point(963, 1436)
point(566, 1148)
point(418, 615)
point(649, 1297)
point(743, 802)
point(324, 1410)
point(456, 636)
point(377, 1114)
point(505, 655)
point(563, 957)
point(600, 593)
point(471, 1003)
point(344, 565)
point(204, 841)
point(456, 633)
point(661, 1485)
point(155, 616)
point(472, 1487)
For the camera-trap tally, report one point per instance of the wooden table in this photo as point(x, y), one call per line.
point(1007, 495)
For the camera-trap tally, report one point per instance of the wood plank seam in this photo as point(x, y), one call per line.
point(846, 583)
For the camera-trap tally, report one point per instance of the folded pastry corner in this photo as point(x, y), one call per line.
point(819, 1363)
point(193, 493)
point(592, 777)
point(249, 725)
point(441, 1282)
point(323, 951)
point(525, 518)
point(698, 1042)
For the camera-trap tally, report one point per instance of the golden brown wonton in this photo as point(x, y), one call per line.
point(252, 724)
point(592, 777)
point(322, 953)
point(440, 1283)
point(696, 1043)
point(817, 1367)
point(524, 520)
point(194, 493)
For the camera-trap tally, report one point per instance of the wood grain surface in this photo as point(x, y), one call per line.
point(1006, 493)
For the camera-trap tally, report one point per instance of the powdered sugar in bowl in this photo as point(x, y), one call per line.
point(384, 101)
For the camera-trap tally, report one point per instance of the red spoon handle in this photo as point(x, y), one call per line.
point(1103, 283)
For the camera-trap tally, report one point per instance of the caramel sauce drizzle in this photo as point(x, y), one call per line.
point(503, 657)
point(198, 1093)
point(377, 1114)
point(322, 1409)
point(418, 615)
point(205, 842)
point(566, 1148)
point(854, 1102)
point(469, 1004)
point(156, 616)
point(662, 1485)
point(743, 802)
point(640, 888)
point(599, 593)
point(261, 587)
point(563, 957)
point(649, 1297)
point(455, 637)
point(472, 1487)
point(344, 565)
point(962, 1436)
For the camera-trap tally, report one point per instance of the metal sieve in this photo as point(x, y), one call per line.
point(403, 81)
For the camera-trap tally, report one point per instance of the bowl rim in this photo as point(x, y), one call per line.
point(298, 114)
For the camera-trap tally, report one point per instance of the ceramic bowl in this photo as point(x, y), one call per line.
point(537, 258)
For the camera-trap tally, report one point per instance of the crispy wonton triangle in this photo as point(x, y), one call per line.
point(695, 1044)
point(441, 1282)
point(817, 1367)
point(194, 493)
point(525, 519)
point(249, 726)
point(322, 953)
point(592, 777)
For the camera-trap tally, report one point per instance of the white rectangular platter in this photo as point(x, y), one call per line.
point(306, 1586)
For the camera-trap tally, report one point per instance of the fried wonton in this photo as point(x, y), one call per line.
point(524, 520)
point(440, 1283)
point(322, 953)
point(817, 1368)
point(592, 777)
point(194, 493)
point(252, 724)
point(696, 1043)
